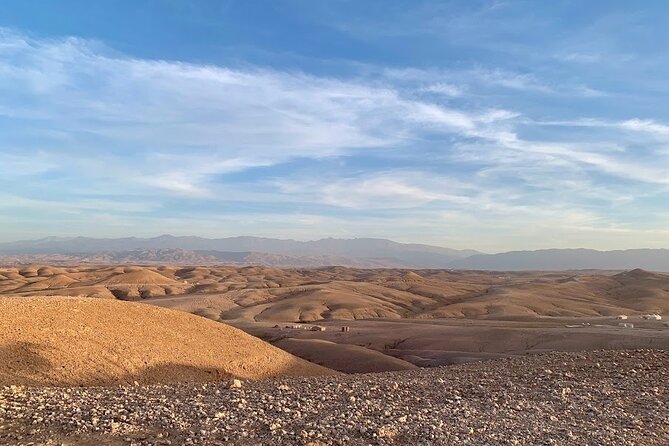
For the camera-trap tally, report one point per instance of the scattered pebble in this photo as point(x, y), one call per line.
point(594, 398)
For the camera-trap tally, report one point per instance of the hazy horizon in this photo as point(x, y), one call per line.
point(315, 239)
point(487, 125)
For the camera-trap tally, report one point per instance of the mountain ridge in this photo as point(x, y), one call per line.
point(346, 250)
point(355, 252)
point(653, 259)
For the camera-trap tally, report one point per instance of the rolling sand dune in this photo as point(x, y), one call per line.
point(72, 342)
point(209, 306)
point(335, 300)
point(257, 293)
point(422, 317)
point(138, 277)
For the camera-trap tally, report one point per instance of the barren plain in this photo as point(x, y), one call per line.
point(394, 319)
point(89, 357)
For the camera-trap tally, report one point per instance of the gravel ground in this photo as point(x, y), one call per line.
point(594, 398)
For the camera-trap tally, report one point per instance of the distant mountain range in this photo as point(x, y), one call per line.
point(564, 259)
point(359, 252)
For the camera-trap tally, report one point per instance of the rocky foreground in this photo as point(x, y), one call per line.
point(595, 398)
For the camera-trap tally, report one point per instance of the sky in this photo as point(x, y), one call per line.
point(486, 124)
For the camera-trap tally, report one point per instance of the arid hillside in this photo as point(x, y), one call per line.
point(396, 319)
point(78, 342)
point(337, 293)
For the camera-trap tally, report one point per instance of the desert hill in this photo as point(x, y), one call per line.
point(71, 342)
point(395, 316)
point(257, 293)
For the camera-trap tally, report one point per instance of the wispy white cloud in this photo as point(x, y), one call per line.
point(261, 116)
point(433, 149)
point(458, 82)
point(638, 125)
point(379, 192)
point(14, 202)
point(445, 89)
point(646, 125)
point(15, 164)
point(513, 80)
point(580, 57)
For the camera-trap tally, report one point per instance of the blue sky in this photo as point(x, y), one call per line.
point(492, 125)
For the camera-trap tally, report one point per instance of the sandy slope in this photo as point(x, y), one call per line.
point(345, 358)
point(336, 293)
point(425, 317)
point(74, 341)
point(435, 342)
